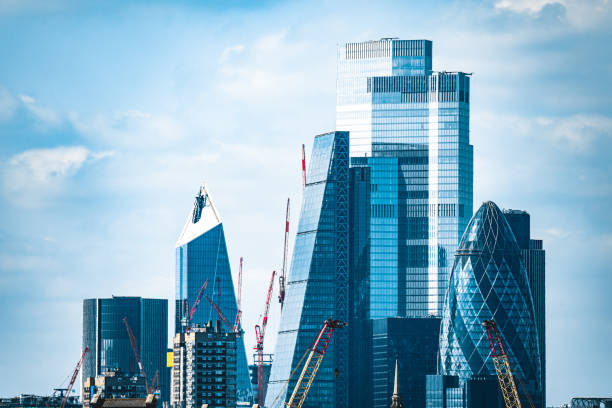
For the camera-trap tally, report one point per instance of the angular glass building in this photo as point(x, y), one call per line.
point(489, 281)
point(317, 286)
point(201, 254)
point(109, 344)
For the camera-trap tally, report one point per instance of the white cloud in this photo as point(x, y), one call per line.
point(8, 104)
point(44, 114)
point(580, 13)
point(37, 174)
point(228, 51)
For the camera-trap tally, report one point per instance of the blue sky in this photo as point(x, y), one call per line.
point(112, 113)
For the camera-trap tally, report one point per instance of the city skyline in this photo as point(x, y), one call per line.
point(86, 195)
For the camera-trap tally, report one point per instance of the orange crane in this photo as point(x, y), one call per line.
point(260, 332)
point(239, 300)
point(187, 320)
point(282, 278)
point(137, 355)
point(303, 167)
point(313, 362)
point(73, 378)
point(502, 366)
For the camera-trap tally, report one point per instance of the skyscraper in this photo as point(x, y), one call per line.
point(201, 254)
point(410, 126)
point(105, 334)
point(317, 287)
point(534, 259)
point(411, 185)
point(489, 281)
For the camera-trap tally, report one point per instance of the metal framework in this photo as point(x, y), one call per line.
point(502, 366)
point(239, 301)
point(282, 278)
point(73, 378)
point(260, 332)
point(137, 354)
point(220, 313)
point(303, 167)
point(312, 364)
point(187, 321)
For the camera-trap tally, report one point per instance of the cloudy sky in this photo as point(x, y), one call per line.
point(112, 113)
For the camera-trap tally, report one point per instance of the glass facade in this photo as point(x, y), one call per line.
point(489, 281)
point(109, 345)
point(317, 286)
point(201, 254)
point(413, 343)
point(410, 126)
point(534, 259)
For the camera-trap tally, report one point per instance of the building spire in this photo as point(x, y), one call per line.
point(396, 399)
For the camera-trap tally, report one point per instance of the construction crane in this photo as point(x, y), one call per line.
point(187, 321)
point(222, 316)
point(239, 300)
point(502, 366)
point(260, 332)
point(282, 278)
point(73, 378)
point(303, 167)
point(312, 364)
point(136, 354)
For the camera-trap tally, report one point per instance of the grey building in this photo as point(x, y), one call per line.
point(204, 368)
point(534, 259)
point(105, 334)
point(113, 384)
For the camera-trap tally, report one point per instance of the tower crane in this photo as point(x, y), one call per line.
point(282, 278)
point(313, 362)
point(137, 354)
point(73, 378)
point(221, 315)
point(260, 332)
point(187, 321)
point(303, 167)
point(502, 366)
point(239, 300)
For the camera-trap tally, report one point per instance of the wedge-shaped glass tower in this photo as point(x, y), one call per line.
point(201, 254)
point(489, 281)
point(317, 286)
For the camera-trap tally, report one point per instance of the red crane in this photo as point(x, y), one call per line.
point(136, 354)
point(282, 278)
point(73, 378)
point(502, 366)
point(260, 332)
point(221, 315)
point(303, 167)
point(239, 300)
point(187, 322)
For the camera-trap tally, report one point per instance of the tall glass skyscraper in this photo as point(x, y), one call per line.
point(410, 187)
point(410, 126)
point(489, 281)
point(317, 287)
point(109, 344)
point(201, 254)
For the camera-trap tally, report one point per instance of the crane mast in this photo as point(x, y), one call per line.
point(312, 364)
point(187, 321)
point(239, 300)
point(136, 353)
point(303, 167)
point(502, 366)
point(220, 313)
point(73, 378)
point(260, 332)
point(282, 278)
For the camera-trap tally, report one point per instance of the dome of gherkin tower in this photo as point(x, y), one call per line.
point(489, 281)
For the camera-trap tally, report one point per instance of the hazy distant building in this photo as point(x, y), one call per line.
point(446, 391)
point(204, 368)
point(105, 334)
point(591, 402)
point(201, 254)
point(40, 401)
point(534, 259)
point(253, 370)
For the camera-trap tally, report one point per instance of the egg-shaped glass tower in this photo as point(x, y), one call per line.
point(489, 281)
